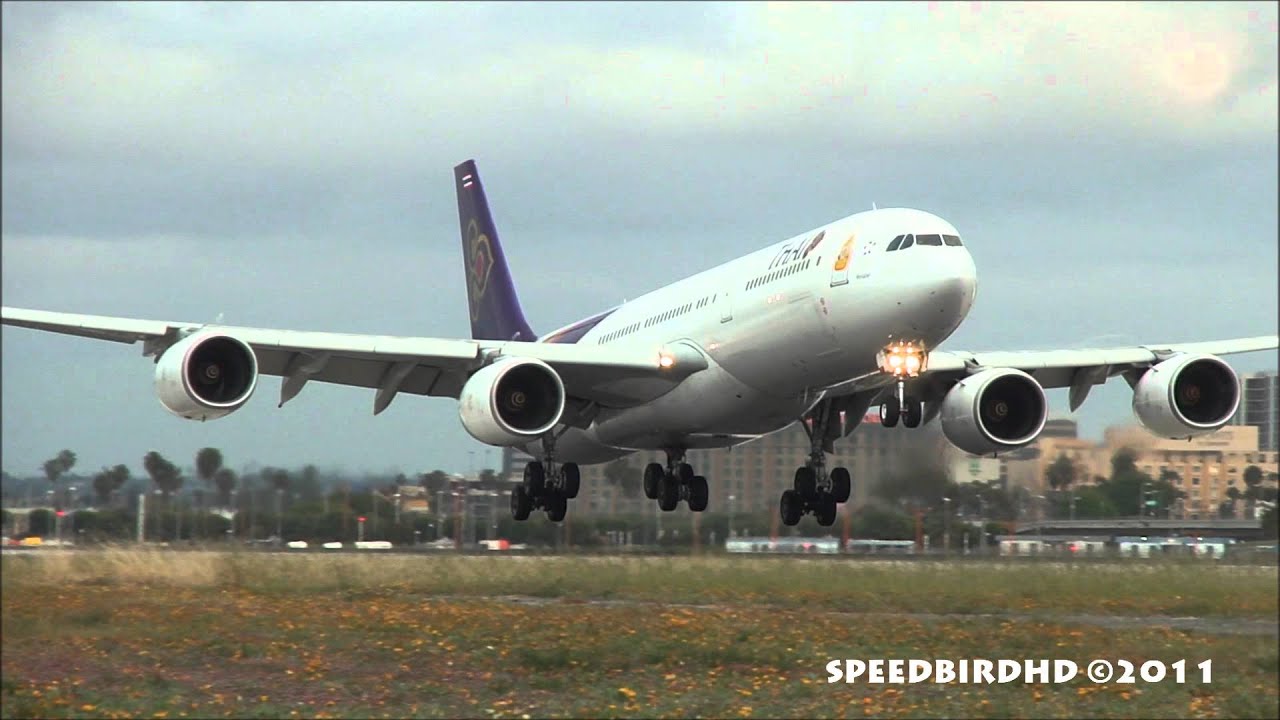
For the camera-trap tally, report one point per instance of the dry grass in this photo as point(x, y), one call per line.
point(1199, 589)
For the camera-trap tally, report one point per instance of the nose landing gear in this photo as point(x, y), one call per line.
point(902, 360)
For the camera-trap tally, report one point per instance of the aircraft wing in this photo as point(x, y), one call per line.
point(1079, 370)
point(607, 375)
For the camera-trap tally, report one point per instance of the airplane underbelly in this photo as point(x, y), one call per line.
point(711, 402)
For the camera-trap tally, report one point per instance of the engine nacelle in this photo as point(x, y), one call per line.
point(206, 375)
point(994, 410)
point(1186, 395)
point(511, 401)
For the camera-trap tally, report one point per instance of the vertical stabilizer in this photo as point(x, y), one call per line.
point(491, 295)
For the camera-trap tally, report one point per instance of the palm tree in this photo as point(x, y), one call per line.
point(56, 467)
point(208, 463)
point(164, 475)
point(225, 480)
point(622, 477)
point(1253, 482)
point(1233, 495)
point(1062, 473)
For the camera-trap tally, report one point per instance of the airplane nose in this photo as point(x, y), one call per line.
point(945, 293)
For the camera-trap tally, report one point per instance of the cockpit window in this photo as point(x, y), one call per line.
point(896, 242)
point(906, 242)
point(952, 240)
point(935, 240)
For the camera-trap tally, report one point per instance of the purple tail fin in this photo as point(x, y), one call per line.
point(495, 309)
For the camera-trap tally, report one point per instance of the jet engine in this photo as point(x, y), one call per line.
point(994, 410)
point(511, 401)
point(206, 375)
point(1186, 395)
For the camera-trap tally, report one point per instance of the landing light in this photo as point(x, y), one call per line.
point(665, 360)
point(902, 358)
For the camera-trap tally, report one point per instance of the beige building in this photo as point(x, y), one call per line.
point(1204, 467)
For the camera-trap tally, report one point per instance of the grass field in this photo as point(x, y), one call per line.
point(129, 633)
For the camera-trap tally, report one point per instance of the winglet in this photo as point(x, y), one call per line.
point(491, 295)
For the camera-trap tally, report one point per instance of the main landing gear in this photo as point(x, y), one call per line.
point(546, 486)
point(675, 483)
point(815, 490)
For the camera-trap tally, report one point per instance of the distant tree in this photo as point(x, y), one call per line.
point(164, 475)
point(1123, 461)
point(489, 480)
point(1270, 528)
point(225, 480)
point(1061, 473)
point(434, 481)
point(1226, 509)
point(277, 478)
point(623, 476)
point(1253, 476)
point(208, 463)
point(108, 482)
point(54, 468)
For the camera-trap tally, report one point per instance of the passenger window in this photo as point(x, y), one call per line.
point(906, 242)
point(952, 240)
point(935, 240)
point(896, 242)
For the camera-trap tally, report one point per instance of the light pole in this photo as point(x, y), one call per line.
point(360, 529)
point(279, 498)
point(396, 497)
point(946, 526)
point(1073, 506)
point(731, 508)
point(1040, 523)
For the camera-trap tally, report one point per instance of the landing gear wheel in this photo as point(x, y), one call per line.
point(698, 494)
point(824, 510)
point(653, 473)
point(535, 478)
point(889, 412)
point(572, 480)
point(668, 493)
point(912, 413)
point(791, 507)
point(557, 506)
point(521, 503)
point(841, 484)
point(806, 481)
point(684, 473)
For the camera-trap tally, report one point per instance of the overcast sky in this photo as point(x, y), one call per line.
point(1113, 169)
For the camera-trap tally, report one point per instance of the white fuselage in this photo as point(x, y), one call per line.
point(778, 326)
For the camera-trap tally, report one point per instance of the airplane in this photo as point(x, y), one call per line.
point(815, 329)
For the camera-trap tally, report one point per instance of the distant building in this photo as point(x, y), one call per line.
point(1205, 467)
point(1260, 407)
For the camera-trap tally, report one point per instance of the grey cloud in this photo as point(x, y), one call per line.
point(306, 184)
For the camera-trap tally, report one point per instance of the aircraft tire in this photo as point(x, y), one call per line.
point(806, 482)
point(668, 493)
point(535, 478)
point(841, 484)
point(653, 473)
point(572, 480)
point(698, 494)
point(791, 507)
